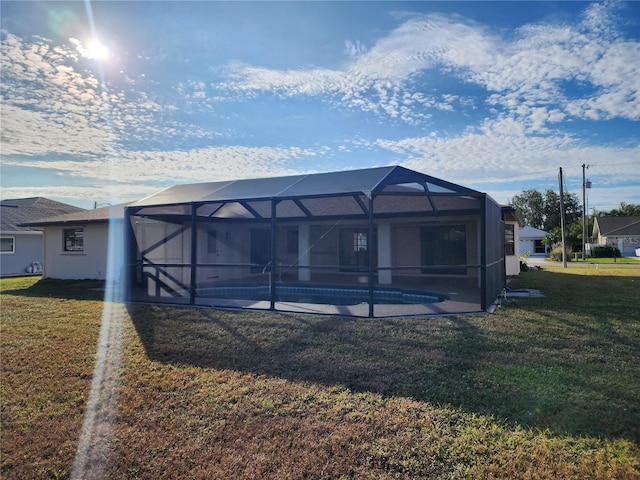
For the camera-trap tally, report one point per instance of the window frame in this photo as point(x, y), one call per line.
point(509, 239)
point(13, 244)
point(353, 249)
point(73, 248)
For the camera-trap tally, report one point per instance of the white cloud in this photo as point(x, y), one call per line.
point(197, 165)
point(101, 193)
point(528, 73)
point(354, 49)
point(51, 105)
point(496, 157)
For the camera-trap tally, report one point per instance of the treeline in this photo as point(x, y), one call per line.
point(542, 210)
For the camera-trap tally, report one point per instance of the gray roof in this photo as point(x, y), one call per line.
point(97, 215)
point(616, 226)
point(364, 181)
point(15, 213)
point(530, 232)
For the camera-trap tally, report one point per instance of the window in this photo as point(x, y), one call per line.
point(74, 239)
point(444, 249)
point(354, 249)
point(539, 247)
point(7, 244)
point(509, 239)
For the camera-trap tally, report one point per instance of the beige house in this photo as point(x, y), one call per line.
point(21, 246)
point(84, 245)
point(621, 232)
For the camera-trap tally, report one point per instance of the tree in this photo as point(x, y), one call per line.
point(625, 210)
point(551, 211)
point(543, 210)
point(530, 203)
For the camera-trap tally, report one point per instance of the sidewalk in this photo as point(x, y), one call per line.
point(542, 262)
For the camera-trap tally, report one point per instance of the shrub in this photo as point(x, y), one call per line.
point(556, 254)
point(605, 251)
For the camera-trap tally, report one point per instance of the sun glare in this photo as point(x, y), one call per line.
point(96, 50)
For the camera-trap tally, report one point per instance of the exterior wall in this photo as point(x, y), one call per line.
point(28, 248)
point(232, 243)
point(93, 262)
point(527, 245)
point(406, 247)
point(227, 257)
point(512, 262)
point(626, 244)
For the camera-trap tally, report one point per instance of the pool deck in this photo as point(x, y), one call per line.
point(361, 310)
point(463, 296)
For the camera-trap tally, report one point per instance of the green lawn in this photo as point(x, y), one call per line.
point(543, 388)
point(600, 261)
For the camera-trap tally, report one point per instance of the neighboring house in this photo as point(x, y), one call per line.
point(371, 232)
point(21, 247)
point(84, 245)
point(621, 232)
point(531, 241)
point(512, 222)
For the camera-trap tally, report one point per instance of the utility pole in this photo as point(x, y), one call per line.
point(564, 250)
point(584, 215)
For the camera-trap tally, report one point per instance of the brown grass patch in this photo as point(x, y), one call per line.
point(534, 391)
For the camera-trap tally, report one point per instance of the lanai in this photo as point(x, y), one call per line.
point(387, 236)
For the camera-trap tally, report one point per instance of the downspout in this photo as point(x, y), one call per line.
point(194, 256)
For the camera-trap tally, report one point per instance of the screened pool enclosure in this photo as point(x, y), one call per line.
point(376, 242)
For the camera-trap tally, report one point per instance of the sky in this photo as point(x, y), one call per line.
point(107, 102)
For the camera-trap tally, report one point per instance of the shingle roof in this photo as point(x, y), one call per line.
point(615, 226)
point(16, 212)
point(97, 215)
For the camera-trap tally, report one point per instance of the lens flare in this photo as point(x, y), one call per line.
point(96, 50)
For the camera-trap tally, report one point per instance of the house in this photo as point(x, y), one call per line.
point(531, 241)
point(621, 232)
point(21, 247)
point(512, 222)
point(373, 242)
point(84, 245)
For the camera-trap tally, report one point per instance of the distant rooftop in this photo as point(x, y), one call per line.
point(14, 213)
point(97, 215)
point(619, 225)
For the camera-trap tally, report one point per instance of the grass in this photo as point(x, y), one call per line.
point(544, 388)
point(607, 261)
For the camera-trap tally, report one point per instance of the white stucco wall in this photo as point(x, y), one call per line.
point(512, 262)
point(90, 263)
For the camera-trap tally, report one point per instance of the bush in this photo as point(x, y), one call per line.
point(556, 254)
point(605, 251)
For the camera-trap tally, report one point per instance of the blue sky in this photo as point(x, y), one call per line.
point(113, 101)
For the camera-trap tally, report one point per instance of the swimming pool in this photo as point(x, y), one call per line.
point(321, 294)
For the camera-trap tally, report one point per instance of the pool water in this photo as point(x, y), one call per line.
point(329, 295)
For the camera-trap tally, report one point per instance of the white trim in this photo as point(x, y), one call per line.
point(21, 232)
point(13, 250)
